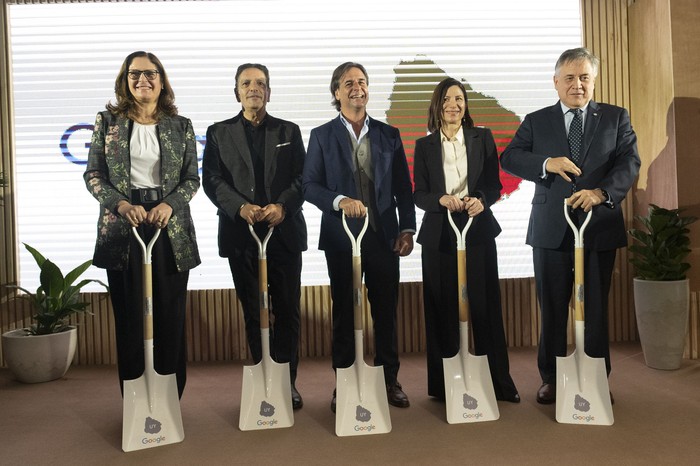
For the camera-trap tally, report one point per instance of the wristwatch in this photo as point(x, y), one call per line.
point(608, 202)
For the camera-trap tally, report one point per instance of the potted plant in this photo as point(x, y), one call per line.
point(661, 289)
point(44, 350)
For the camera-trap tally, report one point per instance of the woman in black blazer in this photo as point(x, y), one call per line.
point(456, 170)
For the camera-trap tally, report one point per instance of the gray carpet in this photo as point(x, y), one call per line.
point(77, 421)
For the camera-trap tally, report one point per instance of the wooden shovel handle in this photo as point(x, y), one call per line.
point(356, 269)
point(147, 281)
point(462, 285)
point(262, 293)
point(357, 291)
point(461, 237)
point(578, 285)
point(262, 276)
point(579, 304)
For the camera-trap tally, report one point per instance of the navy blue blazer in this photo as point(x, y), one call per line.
point(482, 178)
point(609, 161)
point(229, 181)
point(328, 173)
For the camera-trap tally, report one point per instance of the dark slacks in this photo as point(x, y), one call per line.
point(380, 267)
point(169, 308)
point(554, 278)
point(284, 289)
point(440, 302)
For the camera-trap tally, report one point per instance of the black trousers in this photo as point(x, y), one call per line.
point(441, 308)
point(284, 289)
point(169, 307)
point(554, 278)
point(380, 267)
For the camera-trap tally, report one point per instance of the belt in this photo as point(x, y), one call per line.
point(146, 195)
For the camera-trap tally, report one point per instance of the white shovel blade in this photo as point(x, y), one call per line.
point(583, 394)
point(266, 401)
point(362, 407)
point(469, 394)
point(151, 422)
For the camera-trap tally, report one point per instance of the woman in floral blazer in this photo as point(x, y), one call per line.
point(142, 168)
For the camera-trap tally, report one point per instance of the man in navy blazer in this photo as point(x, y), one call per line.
point(599, 179)
point(252, 172)
point(357, 165)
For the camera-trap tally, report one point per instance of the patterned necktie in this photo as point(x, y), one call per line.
point(575, 135)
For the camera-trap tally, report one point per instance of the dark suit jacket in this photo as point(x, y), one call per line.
point(328, 173)
point(229, 181)
point(610, 161)
point(482, 179)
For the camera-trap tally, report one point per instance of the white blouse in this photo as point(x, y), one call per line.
point(454, 164)
point(145, 156)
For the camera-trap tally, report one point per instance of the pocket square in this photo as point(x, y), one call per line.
point(283, 144)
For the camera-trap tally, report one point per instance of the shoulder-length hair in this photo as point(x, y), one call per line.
point(435, 109)
point(125, 99)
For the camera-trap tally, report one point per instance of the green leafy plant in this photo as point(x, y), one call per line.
point(57, 298)
point(659, 250)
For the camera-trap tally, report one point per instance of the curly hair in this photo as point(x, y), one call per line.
point(125, 100)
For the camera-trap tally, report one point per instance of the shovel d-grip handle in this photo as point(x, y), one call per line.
point(356, 270)
point(578, 261)
point(146, 252)
point(262, 275)
point(463, 299)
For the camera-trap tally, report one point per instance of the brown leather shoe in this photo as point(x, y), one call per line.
point(396, 396)
point(547, 394)
point(297, 401)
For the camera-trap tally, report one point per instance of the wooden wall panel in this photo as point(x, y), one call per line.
point(216, 331)
point(605, 26)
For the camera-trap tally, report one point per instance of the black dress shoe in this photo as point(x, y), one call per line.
point(396, 396)
point(547, 394)
point(513, 398)
point(297, 401)
point(333, 402)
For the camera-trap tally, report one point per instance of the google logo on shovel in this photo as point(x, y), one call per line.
point(146, 440)
point(368, 428)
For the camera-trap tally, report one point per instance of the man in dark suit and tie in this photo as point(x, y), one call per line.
point(587, 152)
point(357, 165)
point(252, 171)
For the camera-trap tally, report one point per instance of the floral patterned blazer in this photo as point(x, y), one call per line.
point(107, 178)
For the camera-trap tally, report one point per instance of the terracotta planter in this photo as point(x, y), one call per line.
point(39, 358)
point(661, 308)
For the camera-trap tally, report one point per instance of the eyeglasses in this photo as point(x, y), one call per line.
point(135, 75)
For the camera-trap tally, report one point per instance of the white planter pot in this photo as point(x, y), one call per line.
point(661, 308)
point(39, 358)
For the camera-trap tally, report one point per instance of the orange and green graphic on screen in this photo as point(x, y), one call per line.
point(410, 98)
